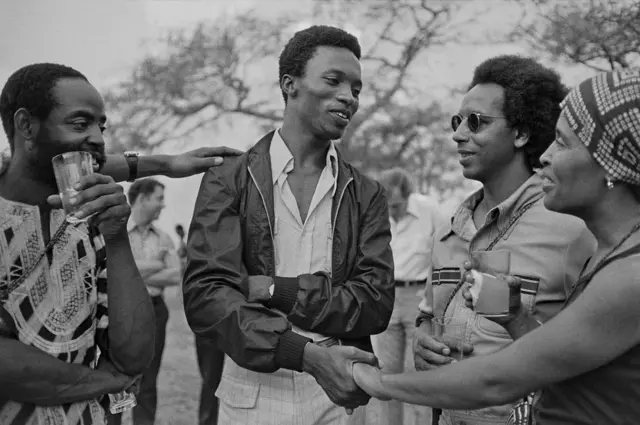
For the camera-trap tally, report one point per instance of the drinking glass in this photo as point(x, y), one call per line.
point(491, 292)
point(69, 168)
point(451, 331)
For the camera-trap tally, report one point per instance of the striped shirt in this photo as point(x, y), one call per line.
point(55, 303)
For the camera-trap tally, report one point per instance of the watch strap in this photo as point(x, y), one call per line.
point(132, 163)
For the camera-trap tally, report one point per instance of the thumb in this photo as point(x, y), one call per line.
point(513, 282)
point(213, 161)
point(365, 357)
point(55, 201)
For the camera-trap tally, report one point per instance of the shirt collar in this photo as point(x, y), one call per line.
point(132, 225)
point(282, 160)
point(529, 191)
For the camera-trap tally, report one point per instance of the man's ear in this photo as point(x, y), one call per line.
point(288, 85)
point(522, 137)
point(26, 124)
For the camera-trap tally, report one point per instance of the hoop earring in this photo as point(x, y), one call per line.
point(610, 183)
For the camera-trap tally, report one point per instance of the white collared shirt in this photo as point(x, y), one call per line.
point(302, 247)
point(412, 238)
point(151, 243)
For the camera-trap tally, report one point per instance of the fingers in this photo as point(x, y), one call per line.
point(469, 265)
point(429, 344)
point(513, 281)
point(360, 356)
point(434, 358)
point(218, 151)
point(55, 201)
point(92, 180)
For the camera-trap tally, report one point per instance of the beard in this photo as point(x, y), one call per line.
point(46, 148)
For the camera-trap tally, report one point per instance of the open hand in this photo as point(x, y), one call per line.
point(369, 379)
point(101, 199)
point(199, 160)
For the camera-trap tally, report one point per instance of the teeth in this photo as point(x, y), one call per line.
point(341, 115)
point(465, 154)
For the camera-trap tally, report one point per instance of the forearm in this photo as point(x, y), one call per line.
point(311, 301)
point(165, 278)
point(148, 165)
point(148, 268)
point(470, 384)
point(28, 375)
point(131, 317)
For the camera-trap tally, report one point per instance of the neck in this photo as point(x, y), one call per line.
point(305, 147)
point(612, 218)
point(500, 186)
point(139, 218)
point(21, 184)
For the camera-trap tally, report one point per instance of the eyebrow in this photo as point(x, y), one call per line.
point(342, 74)
point(88, 115)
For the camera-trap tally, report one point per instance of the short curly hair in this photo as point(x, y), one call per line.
point(302, 46)
point(532, 96)
point(142, 187)
point(30, 88)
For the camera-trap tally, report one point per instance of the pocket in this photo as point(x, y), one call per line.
point(529, 292)
point(236, 394)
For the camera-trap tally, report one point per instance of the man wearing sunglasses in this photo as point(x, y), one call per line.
point(505, 122)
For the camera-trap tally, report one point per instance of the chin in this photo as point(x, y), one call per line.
point(552, 204)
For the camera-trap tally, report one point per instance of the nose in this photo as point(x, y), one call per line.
point(545, 158)
point(461, 135)
point(96, 137)
point(345, 95)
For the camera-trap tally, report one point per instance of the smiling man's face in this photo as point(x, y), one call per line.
point(75, 123)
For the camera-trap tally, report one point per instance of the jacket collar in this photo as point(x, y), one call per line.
point(259, 163)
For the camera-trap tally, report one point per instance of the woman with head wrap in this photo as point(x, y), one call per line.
point(586, 359)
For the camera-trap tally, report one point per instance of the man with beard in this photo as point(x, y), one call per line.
point(64, 347)
point(69, 346)
point(289, 267)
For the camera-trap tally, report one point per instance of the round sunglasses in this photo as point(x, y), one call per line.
point(473, 121)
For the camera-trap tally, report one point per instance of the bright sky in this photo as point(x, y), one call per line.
point(104, 39)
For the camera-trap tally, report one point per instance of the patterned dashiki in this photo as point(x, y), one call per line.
point(59, 307)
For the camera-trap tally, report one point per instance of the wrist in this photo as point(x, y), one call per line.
point(118, 237)
point(311, 357)
point(165, 165)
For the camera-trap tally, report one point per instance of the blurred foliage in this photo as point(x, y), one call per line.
point(599, 34)
point(197, 77)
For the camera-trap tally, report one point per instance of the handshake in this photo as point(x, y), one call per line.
point(349, 376)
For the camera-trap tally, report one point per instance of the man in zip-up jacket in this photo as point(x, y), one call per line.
point(289, 265)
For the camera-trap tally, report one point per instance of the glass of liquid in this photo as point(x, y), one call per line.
point(490, 291)
point(69, 168)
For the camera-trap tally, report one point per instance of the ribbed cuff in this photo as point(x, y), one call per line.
point(423, 317)
point(285, 294)
point(290, 350)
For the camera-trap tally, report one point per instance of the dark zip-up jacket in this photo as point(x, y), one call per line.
point(231, 238)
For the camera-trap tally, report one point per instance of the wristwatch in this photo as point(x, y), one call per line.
point(132, 162)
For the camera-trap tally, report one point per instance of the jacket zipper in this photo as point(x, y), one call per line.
point(264, 204)
point(335, 217)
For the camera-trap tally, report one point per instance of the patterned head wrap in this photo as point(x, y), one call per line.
point(604, 112)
